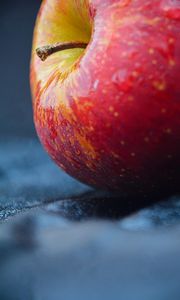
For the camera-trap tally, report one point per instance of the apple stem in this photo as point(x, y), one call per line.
point(45, 51)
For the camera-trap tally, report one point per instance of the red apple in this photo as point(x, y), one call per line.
point(109, 115)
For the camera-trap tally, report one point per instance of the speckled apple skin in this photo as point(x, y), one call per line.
point(112, 118)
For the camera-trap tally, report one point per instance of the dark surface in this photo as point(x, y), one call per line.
point(91, 260)
point(60, 239)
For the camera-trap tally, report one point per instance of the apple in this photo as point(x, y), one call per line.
point(105, 81)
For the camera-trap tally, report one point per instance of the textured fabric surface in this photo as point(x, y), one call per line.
point(29, 178)
point(60, 239)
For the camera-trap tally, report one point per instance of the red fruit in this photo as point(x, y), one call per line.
point(109, 115)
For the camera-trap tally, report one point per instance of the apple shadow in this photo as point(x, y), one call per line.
point(99, 205)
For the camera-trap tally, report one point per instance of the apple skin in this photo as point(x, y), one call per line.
point(110, 115)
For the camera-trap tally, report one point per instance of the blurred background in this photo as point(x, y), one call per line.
point(17, 20)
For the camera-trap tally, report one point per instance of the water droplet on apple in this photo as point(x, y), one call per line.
point(95, 85)
point(171, 9)
point(122, 80)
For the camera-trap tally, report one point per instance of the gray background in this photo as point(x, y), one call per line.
point(17, 19)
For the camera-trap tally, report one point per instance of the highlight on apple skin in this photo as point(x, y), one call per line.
point(109, 113)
